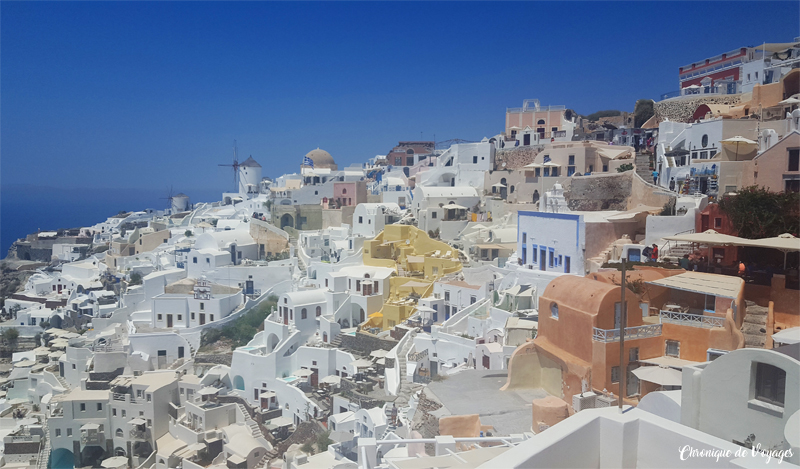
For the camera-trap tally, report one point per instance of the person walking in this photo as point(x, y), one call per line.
point(655, 177)
point(672, 184)
point(654, 253)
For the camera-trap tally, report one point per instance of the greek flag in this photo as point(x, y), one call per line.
point(308, 161)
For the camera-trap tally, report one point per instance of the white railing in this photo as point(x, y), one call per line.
point(697, 320)
point(638, 332)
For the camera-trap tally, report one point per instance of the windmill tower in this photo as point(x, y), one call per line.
point(235, 165)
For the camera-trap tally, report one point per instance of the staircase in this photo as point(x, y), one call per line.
point(407, 388)
point(642, 165)
point(337, 341)
point(44, 453)
point(62, 382)
point(754, 326)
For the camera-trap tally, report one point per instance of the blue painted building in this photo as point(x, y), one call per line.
point(552, 242)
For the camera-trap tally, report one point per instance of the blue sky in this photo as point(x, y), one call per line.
point(147, 94)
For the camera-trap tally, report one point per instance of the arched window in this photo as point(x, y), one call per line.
point(344, 190)
point(366, 275)
point(541, 122)
point(409, 152)
point(503, 181)
point(397, 188)
point(119, 432)
point(303, 313)
point(511, 189)
point(554, 310)
point(319, 311)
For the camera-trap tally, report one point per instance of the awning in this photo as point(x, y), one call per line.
point(376, 315)
point(381, 361)
point(658, 375)
point(725, 286)
point(303, 373)
point(267, 394)
point(613, 153)
point(454, 207)
point(787, 336)
point(279, 422)
point(137, 421)
point(90, 426)
point(208, 391)
point(499, 185)
point(671, 362)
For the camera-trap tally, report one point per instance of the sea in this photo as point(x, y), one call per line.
point(26, 209)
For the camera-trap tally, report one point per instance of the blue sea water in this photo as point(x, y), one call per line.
point(26, 209)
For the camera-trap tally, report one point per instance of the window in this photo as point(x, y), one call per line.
point(139, 393)
point(591, 168)
point(711, 301)
point(554, 310)
point(673, 348)
point(605, 168)
point(703, 155)
point(540, 122)
point(446, 295)
point(123, 413)
point(99, 406)
point(202, 307)
point(303, 314)
point(83, 407)
point(326, 282)
point(180, 317)
point(524, 238)
point(615, 374)
point(69, 432)
point(633, 354)
point(770, 384)
point(534, 252)
point(704, 141)
point(319, 311)
point(159, 317)
point(192, 316)
point(114, 411)
point(552, 258)
point(474, 159)
point(472, 299)
point(718, 222)
point(570, 170)
point(433, 214)
point(194, 260)
point(344, 190)
point(571, 159)
point(794, 159)
point(361, 219)
point(212, 317)
point(58, 432)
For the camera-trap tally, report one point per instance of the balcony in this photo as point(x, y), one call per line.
point(93, 439)
point(139, 435)
point(689, 319)
point(638, 332)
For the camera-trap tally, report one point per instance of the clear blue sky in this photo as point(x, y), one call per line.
point(146, 94)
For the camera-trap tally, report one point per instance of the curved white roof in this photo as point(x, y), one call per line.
point(222, 239)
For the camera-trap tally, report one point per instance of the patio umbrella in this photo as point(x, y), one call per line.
point(361, 363)
point(663, 376)
point(785, 243)
point(114, 462)
point(331, 379)
point(790, 101)
point(380, 353)
point(738, 140)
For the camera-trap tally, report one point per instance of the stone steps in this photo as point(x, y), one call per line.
point(754, 325)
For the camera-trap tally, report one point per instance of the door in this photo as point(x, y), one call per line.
point(566, 264)
point(524, 255)
point(634, 255)
point(285, 316)
point(248, 287)
point(314, 377)
point(162, 359)
point(202, 318)
point(542, 257)
point(632, 383)
point(180, 352)
point(703, 223)
point(169, 320)
point(486, 365)
point(526, 139)
point(434, 369)
point(617, 314)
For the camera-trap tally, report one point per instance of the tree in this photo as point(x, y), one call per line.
point(10, 336)
point(625, 167)
point(187, 233)
point(136, 279)
point(757, 213)
point(323, 441)
point(642, 112)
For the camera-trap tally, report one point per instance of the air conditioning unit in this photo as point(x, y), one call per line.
point(605, 401)
point(586, 400)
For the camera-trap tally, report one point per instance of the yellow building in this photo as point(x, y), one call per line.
point(418, 260)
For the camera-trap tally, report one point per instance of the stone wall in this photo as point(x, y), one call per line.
point(682, 109)
point(424, 421)
point(514, 157)
point(366, 343)
point(622, 191)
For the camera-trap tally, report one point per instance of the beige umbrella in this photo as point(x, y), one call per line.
point(380, 353)
point(790, 101)
point(738, 140)
point(660, 375)
point(115, 462)
point(785, 243)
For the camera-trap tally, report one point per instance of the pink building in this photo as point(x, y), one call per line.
point(349, 193)
point(547, 121)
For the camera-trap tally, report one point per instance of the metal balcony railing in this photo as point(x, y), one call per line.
point(696, 320)
point(138, 435)
point(92, 439)
point(638, 332)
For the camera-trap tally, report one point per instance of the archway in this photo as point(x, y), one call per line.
point(92, 455)
point(62, 458)
point(287, 220)
point(27, 256)
point(238, 383)
point(119, 451)
point(272, 342)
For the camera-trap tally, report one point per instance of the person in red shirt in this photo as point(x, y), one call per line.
point(654, 253)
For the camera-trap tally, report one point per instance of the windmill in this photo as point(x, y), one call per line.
point(169, 197)
point(235, 166)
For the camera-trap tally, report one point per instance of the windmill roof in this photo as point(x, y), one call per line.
point(251, 163)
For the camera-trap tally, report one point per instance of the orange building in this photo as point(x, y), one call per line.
point(674, 318)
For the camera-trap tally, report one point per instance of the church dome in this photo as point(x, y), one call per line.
point(321, 159)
